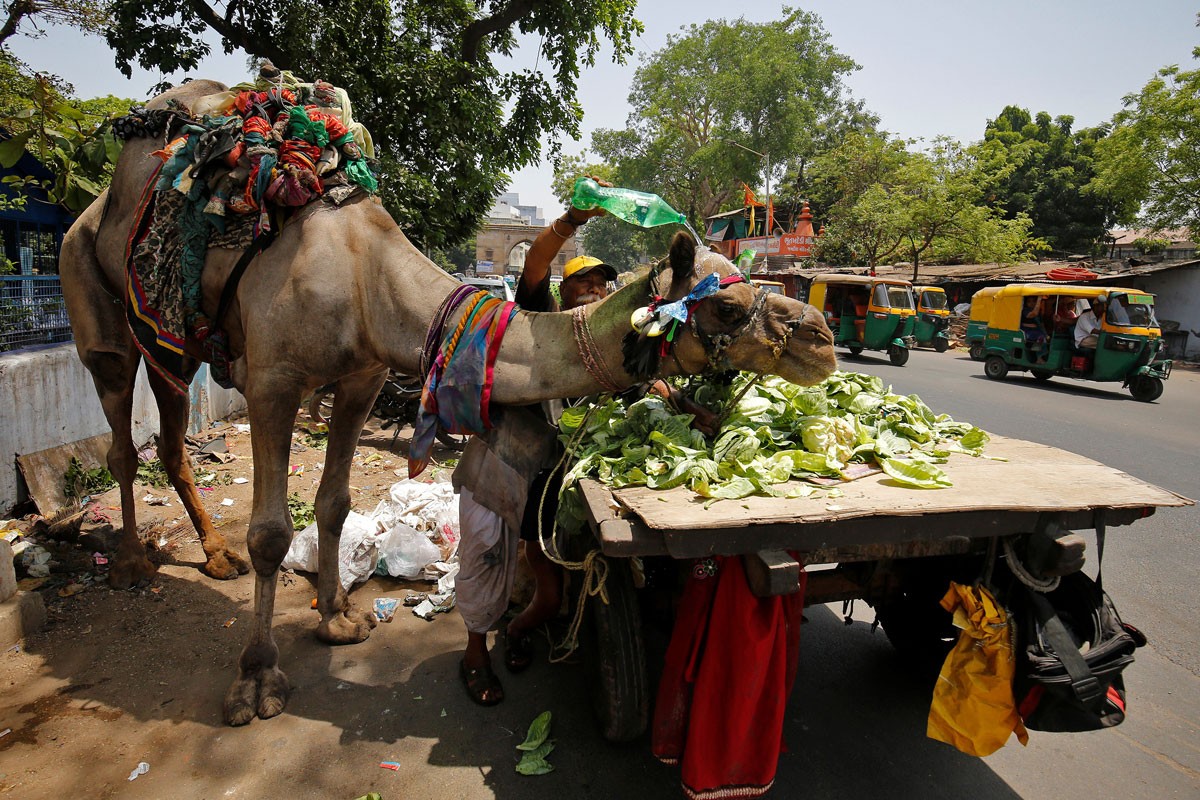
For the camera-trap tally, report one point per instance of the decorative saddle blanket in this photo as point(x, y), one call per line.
point(458, 390)
point(231, 164)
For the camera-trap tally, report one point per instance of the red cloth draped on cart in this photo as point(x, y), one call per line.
point(728, 674)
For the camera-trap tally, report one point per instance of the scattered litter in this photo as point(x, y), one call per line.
point(141, 769)
point(241, 480)
point(443, 712)
point(204, 488)
point(71, 589)
point(370, 796)
point(242, 428)
point(320, 465)
point(100, 559)
point(385, 608)
point(314, 603)
point(214, 446)
point(155, 500)
point(393, 765)
point(229, 622)
point(227, 502)
point(295, 470)
point(36, 561)
point(358, 549)
point(5, 732)
point(371, 459)
point(155, 589)
point(415, 598)
point(209, 477)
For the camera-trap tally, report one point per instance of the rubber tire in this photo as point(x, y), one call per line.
point(1041, 375)
point(855, 350)
point(976, 351)
point(1146, 388)
point(941, 345)
point(995, 368)
point(616, 656)
point(898, 355)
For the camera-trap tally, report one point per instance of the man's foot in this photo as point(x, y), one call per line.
point(518, 652)
point(482, 684)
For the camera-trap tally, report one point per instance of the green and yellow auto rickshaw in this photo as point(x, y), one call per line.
point(1037, 327)
point(933, 318)
point(977, 324)
point(867, 313)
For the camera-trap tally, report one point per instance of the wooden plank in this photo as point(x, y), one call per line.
point(1034, 478)
point(43, 471)
point(618, 534)
point(771, 573)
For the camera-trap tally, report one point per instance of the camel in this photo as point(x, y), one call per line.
point(340, 297)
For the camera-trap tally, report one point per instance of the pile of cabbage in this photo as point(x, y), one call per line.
point(778, 432)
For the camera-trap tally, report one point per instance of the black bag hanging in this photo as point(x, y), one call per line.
point(1074, 647)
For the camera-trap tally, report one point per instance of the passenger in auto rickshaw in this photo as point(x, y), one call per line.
point(1087, 327)
point(1032, 327)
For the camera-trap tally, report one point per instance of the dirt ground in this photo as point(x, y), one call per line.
point(119, 678)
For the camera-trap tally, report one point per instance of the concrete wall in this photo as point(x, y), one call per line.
point(47, 399)
point(1176, 297)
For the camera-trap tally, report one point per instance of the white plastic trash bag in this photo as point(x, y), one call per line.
point(404, 552)
point(358, 550)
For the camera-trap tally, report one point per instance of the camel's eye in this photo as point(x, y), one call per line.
point(728, 310)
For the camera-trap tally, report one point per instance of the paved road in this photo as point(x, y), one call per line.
point(857, 722)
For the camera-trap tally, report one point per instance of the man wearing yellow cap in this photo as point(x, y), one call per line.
point(501, 478)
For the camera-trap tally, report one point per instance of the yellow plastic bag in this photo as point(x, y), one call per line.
point(973, 707)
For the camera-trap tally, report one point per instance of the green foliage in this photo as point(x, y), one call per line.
point(1051, 178)
point(885, 202)
point(153, 473)
point(1149, 160)
point(71, 138)
point(432, 79)
point(1150, 245)
point(79, 482)
point(775, 87)
point(303, 512)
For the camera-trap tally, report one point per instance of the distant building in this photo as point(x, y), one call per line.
point(1181, 247)
point(507, 234)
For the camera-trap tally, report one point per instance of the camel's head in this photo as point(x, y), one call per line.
point(739, 327)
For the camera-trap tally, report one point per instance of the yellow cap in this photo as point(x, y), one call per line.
point(580, 265)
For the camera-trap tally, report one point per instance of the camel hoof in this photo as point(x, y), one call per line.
point(126, 573)
point(225, 566)
point(363, 616)
point(241, 700)
point(341, 629)
point(273, 691)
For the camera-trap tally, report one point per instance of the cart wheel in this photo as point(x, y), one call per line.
point(995, 368)
point(940, 344)
point(855, 349)
point(616, 655)
point(919, 628)
point(898, 355)
point(976, 351)
point(1042, 375)
point(1146, 388)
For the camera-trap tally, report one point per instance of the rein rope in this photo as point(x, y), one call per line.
point(590, 352)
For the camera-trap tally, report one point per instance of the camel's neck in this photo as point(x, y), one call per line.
point(540, 358)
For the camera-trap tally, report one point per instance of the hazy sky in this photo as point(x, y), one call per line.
point(928, 67)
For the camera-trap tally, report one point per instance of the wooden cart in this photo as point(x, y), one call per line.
point(893, 546)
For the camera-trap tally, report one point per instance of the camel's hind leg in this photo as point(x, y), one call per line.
point(341, 624)
point(260, 687)
point(221, 562)
point(106, 348)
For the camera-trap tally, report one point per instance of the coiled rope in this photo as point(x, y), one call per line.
point(1023, 574)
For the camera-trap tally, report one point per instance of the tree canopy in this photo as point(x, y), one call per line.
point(1051, 178)
point(433, 80)
point(1151, 160)
point(774, 87)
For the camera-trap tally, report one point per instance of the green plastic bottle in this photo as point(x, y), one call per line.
point(638, 208)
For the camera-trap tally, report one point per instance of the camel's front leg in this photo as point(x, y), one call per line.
point(260, 687)
point(340, 622)
point(221, 562)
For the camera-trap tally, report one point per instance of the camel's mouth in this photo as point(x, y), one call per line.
point(809, 357)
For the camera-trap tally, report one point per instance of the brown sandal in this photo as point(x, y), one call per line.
point(482, 684)
point(518, 652)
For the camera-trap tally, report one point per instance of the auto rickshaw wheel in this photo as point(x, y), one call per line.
point(898, 355)
point(995, 368)
point(1041, 375)
point(616, 656)
point(941, 344)
point(976, 351)
point(1146, 388)
point(855, 349)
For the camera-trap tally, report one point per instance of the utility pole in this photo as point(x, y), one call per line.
point(767, 156)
